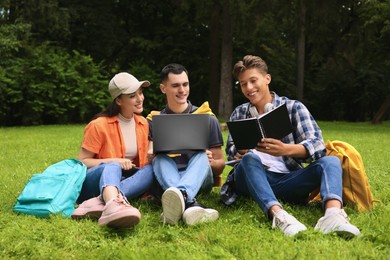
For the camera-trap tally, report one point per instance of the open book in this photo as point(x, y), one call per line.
point(273, 124)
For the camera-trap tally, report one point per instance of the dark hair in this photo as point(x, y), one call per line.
point(172, 68)
point(250, 62)
point(111, 110)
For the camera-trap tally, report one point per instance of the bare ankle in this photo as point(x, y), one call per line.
point(274, 209)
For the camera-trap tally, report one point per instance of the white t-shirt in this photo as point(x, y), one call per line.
point(272, 163)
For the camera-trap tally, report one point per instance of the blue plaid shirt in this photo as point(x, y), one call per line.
point(305, 131)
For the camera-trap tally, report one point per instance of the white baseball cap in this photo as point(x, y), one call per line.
point(125, 83)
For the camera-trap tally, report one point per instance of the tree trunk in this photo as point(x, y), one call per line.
point(214, 57)
point(301, 49)
point(12, 15)
point(225, 94)
point(385, 107)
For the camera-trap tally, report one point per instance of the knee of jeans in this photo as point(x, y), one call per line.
point(251, 157)
point(112, 167)
point(330, 159)
point(148, 168)
point(199, 157)
point(113, 164)
point(160, 157)
point(334, 160)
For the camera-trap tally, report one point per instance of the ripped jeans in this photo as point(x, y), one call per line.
point(110, 174)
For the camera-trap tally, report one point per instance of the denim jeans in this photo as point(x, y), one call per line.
point(265, 187)
point(196, 177)
point(110, 174)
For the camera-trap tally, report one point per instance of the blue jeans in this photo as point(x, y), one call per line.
point(251, 179)
point(196, 177)
point(110, 174)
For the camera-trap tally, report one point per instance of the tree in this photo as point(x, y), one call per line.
point(41, 83)
point(225, 94)
point(215, 54)
point(348, 57)
point(301, 48)
point(48, 21)
point(339, 51)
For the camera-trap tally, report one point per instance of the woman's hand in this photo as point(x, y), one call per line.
point(126, 164)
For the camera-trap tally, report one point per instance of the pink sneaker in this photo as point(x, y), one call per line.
point(118, 213)
point(91, 208)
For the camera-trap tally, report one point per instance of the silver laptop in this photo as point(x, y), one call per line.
point(180, 133)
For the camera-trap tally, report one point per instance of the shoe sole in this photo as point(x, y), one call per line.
point(345, 234)
point(120, 219)
point(94, 214)
point(173, 206)
point(348, 232)
point(199, 215)
point(297, 230)
point(93, 211)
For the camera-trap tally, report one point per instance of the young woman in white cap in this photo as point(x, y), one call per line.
point(114, 149)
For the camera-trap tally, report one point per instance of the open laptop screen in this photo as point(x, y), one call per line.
point(180, 133)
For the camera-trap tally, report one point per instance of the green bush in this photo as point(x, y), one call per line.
point(47, 85)
point(154, 99)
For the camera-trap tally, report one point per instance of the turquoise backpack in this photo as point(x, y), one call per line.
point(54, 191)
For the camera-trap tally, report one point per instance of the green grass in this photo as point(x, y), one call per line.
point(242, 232)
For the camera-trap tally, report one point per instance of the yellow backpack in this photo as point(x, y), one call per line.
point(356, 189)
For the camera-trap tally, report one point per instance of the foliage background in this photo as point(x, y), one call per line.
point(57, 56)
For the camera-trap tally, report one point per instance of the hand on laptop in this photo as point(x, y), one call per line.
point(209, 155)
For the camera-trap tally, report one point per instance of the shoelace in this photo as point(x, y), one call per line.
point(122, 200)
point(281, 221)
point(344, 216)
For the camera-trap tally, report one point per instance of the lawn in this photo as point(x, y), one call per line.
point(242, 232)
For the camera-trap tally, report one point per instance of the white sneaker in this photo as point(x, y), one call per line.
point(196, 214)
point(173, 205)
point(337, 221)
point(287, 223)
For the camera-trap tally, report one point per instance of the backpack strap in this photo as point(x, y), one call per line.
point(204, 109)
point(152, 113)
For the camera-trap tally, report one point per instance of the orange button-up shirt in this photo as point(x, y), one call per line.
point(103, 136)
